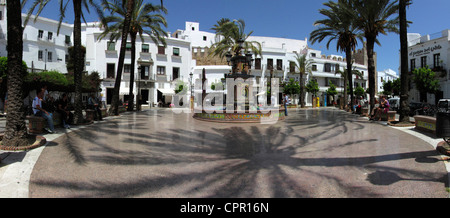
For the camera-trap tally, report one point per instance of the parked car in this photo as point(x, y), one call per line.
point(394, 104)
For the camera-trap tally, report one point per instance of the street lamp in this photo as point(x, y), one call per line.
point(192, 89)
point(138, 106)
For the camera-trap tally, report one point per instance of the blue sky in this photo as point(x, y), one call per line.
point(289, 19)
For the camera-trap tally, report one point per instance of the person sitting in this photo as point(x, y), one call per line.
point(39, 111)
point(361, 105)
point(66, 115)
point(93, 104)
point(383, 108)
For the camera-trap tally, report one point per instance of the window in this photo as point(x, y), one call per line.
point(161, 50)
point(291, 66)
point(40, 55)
point(413, 64)
point(436, 60)
point(205, 38)
point(161, 70)
point(110, 70)
point(128, 46)
point(1, 15)
point(127, 68)
point(314, 67)
point(313, 55)
point(258, 64)
point(145, 72)
point(67, 41)
point(279, 64)
point(111, 46)
point(50, 36)
point(176, 51)
point(270, 64)
point(423, 61)
point(327, 68)
point(145, 48)
point(41, 34)
point(175, 73)
point(49, 56)
point(336, 67)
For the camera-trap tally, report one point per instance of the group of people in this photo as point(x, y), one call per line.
point(383, 107)
point(44, 106)
point(359, 104)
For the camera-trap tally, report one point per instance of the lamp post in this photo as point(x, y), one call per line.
point(192, 90)
point(138, 106)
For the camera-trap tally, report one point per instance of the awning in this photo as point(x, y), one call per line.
point(167, 91)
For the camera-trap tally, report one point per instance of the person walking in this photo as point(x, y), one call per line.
point(93, 104)
point(285, 101)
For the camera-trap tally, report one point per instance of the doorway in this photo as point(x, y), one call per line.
point(109, 95)
point(145, 95)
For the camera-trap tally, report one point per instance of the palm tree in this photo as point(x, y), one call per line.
point(16, 130)
point(373, 18)
point(78, 6)
point(234, 39)
point(404, 87)
point(304, 66)
point(129, 4)
point(338, 25)
point(145, 19)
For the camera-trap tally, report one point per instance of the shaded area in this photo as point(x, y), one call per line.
point(314, 153)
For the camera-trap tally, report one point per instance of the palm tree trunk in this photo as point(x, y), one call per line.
point(302, 91)
point(371, 70)
point(114, 109)
point(16, 130)
point(78, 63)
point(133, 60)
point(345, 92)
point(348, 56)
point(404, 76)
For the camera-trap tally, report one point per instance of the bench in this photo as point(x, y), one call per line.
point(89, 115)
point(36, 124)
point(365, 112)
point(425, 123)
point(389, 116)
point(104, 112)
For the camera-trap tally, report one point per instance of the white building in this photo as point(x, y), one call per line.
point(430, 51)
point(277, 55)
point(155, 70)
point(157, 67)
point(384, 76)
point(43, 48)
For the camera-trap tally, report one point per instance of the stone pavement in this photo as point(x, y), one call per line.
point(156, 153)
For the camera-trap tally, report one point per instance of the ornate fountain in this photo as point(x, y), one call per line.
point(241, 104)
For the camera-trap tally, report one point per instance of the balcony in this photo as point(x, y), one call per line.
point(49, 40)
point(148, 78)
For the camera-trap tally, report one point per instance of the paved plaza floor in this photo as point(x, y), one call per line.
point(314, 153)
